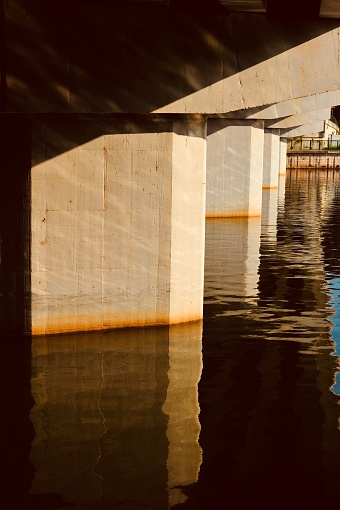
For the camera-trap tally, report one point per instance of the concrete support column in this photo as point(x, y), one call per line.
point(283, 156)
point(117, 221)
point(234, 167)
point(271, 158)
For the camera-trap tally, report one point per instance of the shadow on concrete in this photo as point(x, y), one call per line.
point(54, 134)
point(81, 57)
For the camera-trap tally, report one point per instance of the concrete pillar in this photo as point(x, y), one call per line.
point(271, 158)
point(283, 156)
point(234, 167)
point(117, 221)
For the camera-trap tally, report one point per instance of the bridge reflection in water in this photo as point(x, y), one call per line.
point(129, 419)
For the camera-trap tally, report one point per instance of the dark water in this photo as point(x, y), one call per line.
point(245, 415)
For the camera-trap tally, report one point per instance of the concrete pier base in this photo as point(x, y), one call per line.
point(117, 221)
point(271, 158)
point(234, 168)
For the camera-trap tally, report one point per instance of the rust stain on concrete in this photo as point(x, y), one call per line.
point(233, 214)
point(77, 324)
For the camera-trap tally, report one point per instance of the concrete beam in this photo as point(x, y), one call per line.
point(107, 60)
point(287, 108)
point(284, 9)
point(312, 102)
point(316, 127)
point(283, 77)
point(299, 119)
point(321, 8)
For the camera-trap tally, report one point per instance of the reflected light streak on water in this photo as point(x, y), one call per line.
point(246, 416)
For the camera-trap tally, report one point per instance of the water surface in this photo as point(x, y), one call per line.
point(240, 411)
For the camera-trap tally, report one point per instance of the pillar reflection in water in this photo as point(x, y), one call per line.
point(232, 259)
point(269, 213)
point(272, 199)
point(116, 416)
point(182, 408)
point(281, 190)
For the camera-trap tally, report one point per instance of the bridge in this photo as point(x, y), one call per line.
point(124, 125)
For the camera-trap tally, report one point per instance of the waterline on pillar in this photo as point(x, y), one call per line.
point(235, 214)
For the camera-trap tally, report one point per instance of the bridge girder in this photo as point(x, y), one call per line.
point(112, 61)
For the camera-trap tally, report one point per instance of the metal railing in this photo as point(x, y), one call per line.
point(313, 144)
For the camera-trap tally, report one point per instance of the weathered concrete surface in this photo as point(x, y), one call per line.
point(117, 222)
point(116, 416)
point(271, 158)
point(234, 168)
point(152, 60)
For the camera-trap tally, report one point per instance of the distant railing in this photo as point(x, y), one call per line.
point(313, 144)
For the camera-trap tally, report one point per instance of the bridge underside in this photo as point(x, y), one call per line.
point(135, 125)
point(136, 60)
